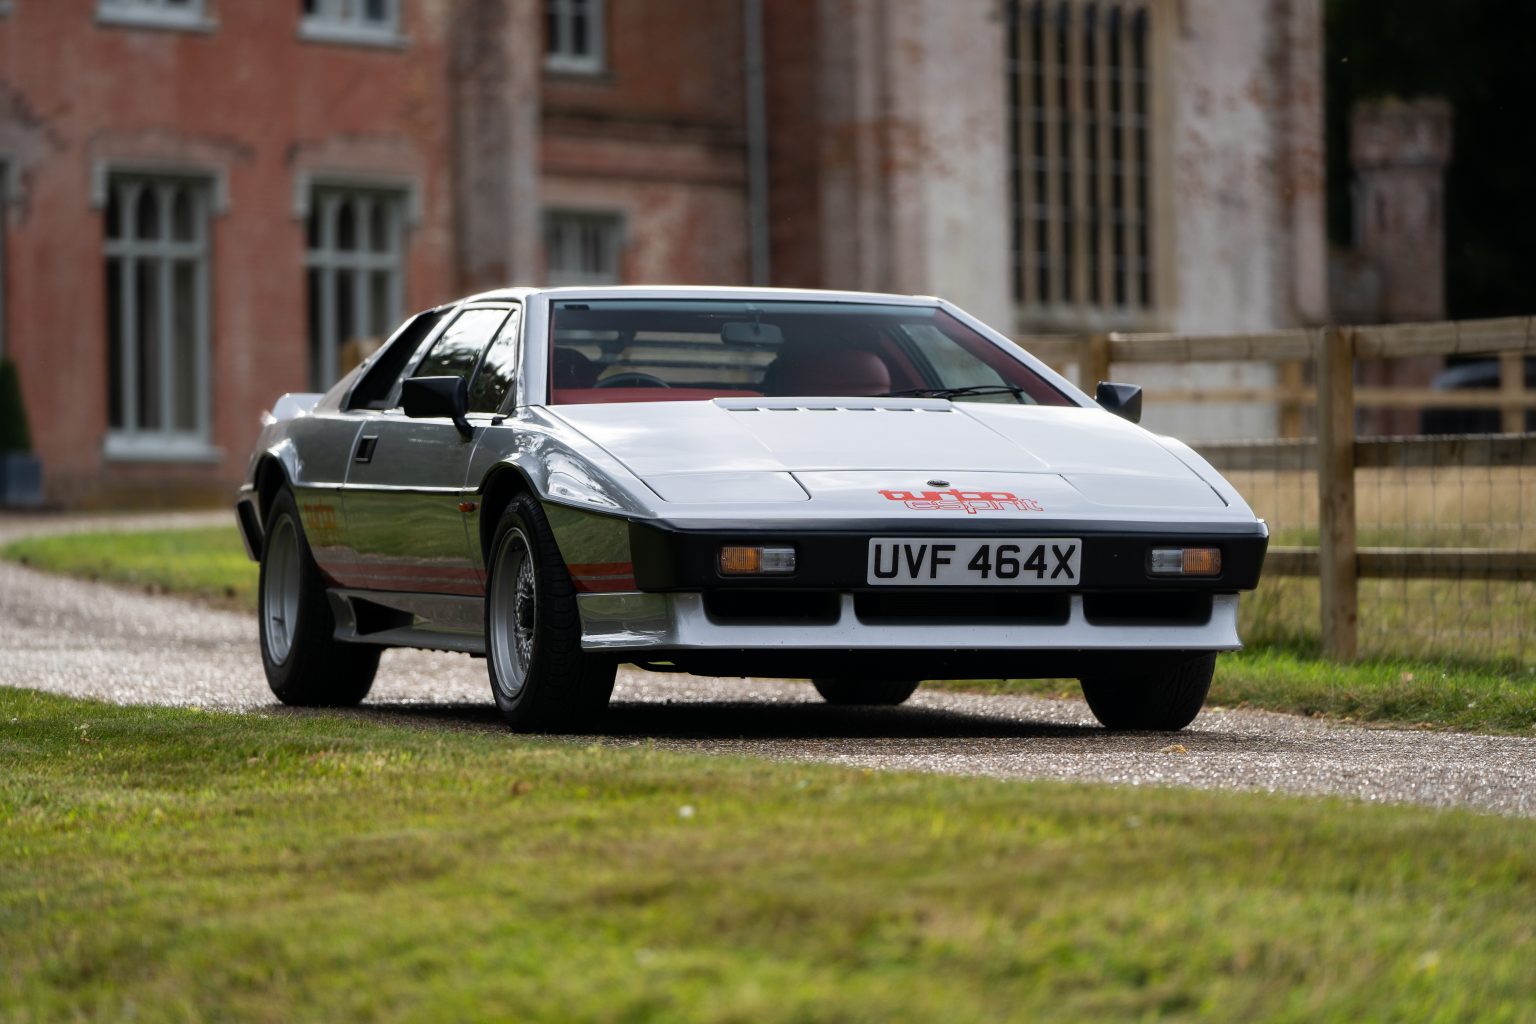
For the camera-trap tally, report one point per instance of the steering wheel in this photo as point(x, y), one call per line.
point(633, 380)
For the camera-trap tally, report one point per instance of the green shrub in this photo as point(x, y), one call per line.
point(14, 434)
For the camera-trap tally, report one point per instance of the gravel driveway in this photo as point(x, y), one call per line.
point(89, 640)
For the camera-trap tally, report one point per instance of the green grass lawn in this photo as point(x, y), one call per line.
point(160, 864)
point(1437, 695)
point(1279, 672)
point(209, 562)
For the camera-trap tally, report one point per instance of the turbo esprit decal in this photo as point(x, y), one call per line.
point(970, 502)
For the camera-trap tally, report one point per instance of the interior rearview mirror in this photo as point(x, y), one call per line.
point(740, 332)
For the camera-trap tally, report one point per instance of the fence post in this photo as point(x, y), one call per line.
point(1512, 387)
point(1292, 379)
point(1095, 364)
point(1337, 562)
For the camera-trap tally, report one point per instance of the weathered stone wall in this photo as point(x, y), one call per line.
point(497, 55)
point(1247, 192)
point(890, 138)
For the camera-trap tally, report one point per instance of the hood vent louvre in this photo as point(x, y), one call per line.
point(834, 404)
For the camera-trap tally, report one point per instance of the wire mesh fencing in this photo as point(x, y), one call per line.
point(1386, 542)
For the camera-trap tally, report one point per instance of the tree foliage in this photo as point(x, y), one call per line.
point(1477, 55)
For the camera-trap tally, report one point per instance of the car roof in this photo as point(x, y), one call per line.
point(700, 292)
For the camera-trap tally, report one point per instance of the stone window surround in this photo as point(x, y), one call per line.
point(329, 26)
point(307, 179)
point(131, 445)
point(612, 222)
point(307, 183)
point(150, 14)
point(564, 59)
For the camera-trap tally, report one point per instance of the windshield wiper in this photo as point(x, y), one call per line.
point(973, 389)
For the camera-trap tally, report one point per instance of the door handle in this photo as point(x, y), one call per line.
point(365, 447)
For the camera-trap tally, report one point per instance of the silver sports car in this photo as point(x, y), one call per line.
point(866, 490)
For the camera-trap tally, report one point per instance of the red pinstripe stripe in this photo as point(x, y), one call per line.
point(377, 574)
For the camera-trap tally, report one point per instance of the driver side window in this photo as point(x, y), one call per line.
point(380, 380)
point(498, 370)
point(458, 349)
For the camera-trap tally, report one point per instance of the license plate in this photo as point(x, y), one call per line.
point(975, 561)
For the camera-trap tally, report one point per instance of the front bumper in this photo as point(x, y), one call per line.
point(669, 558)
point(678, 609)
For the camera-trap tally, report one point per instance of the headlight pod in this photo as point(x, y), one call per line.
point(569, 480)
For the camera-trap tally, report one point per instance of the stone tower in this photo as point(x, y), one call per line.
point(1400, 151)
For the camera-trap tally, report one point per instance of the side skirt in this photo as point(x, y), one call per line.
point(438, 622)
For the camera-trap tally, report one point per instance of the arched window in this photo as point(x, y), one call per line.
point(356, 268)
point(573, 35)
point(157, 312)
point(351, 21)
point(583, 247)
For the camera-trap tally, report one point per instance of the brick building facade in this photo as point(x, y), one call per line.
point(209, 202)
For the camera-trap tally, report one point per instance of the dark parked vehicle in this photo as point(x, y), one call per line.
point(1482, 375)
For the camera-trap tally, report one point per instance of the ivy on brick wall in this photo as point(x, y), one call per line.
point(14, 433)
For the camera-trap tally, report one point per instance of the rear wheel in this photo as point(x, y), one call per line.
point(306, 665)
point(865, 691)
point(540, 677)
point(1164, 701)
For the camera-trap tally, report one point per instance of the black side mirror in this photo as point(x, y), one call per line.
point(1124, 400)
point(437, 397)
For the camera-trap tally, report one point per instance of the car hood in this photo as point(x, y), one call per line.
point(860, 456)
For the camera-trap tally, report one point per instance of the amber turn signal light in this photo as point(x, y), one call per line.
point(1184, 562)
point(756, 561)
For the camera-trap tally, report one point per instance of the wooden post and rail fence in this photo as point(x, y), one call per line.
point(1336, 452)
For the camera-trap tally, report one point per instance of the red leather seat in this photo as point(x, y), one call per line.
point(828, 372)
point(572, 369)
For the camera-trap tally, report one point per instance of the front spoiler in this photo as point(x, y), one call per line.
point(659, 625)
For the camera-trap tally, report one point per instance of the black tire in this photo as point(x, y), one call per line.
point(887, 692)
point(1164, 701)
point(540, 677)
point(306, 665)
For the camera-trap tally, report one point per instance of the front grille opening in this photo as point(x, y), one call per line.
point(1148, 609)
point(883, 608)
point(771, 606)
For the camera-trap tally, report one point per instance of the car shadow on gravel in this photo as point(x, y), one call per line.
point(813, 729)
point(815, 720)
point(750, 720)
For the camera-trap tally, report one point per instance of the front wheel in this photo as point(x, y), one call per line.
point(1164, 701)
point(306, 665)
point(886, 692)
point(540, 677)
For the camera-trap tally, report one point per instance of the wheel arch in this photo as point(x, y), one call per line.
point(271, 476)
point(253, 508)
point(504, 482)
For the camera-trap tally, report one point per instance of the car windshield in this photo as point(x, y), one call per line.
point(652, 350)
